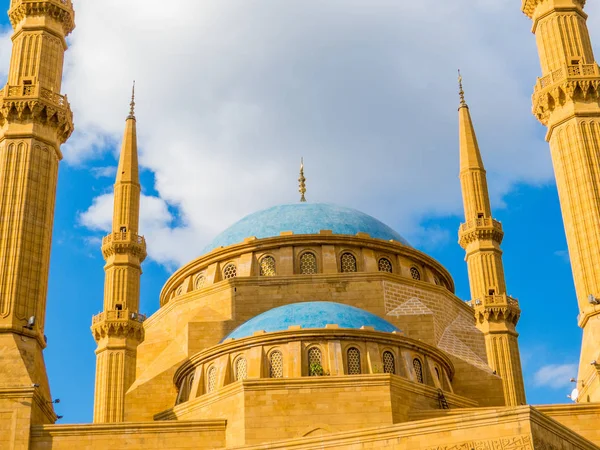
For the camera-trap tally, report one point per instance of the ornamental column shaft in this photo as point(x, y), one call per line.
point(35, 120)
point(496, 313)
point(118, 329)
point(567, 100)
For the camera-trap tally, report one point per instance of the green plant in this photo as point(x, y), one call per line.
point(316, 370)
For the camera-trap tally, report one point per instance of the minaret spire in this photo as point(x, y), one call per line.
point(118, 329)
point(461, 93)
point(302, 181)
point(132, 104)
point(496, 313)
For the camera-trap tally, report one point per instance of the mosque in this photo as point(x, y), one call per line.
point(303, 326)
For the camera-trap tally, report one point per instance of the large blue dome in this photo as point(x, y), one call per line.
point(311, 315)
point(304, 218)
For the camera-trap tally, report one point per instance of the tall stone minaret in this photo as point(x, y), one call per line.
point(34, 121)
point(496, 313)
point(566, 100)
point(118, 329)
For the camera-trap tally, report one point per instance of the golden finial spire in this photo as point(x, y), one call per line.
point(302, 181)
point(132, 104)
point(460, 90)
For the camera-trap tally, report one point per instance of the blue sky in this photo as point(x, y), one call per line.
point(230, 97)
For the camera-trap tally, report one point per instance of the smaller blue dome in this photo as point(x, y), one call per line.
point(311, 315)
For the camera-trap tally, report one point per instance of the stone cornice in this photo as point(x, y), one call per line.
point(59, 10)
point(110, 429)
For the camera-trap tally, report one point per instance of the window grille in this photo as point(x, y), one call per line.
point(179, 290)
point(418, 369)
point(230, 271)
point(389, 362)
point(414, 272)
point(240, 369)
point(308, 264)
point(353, 356)
point(199, 281)
point(276, 364)
point(315, 366)
point(267, 266)
point(385, 265)
point(348, 262)
point(211, 382)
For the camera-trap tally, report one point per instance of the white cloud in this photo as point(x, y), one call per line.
point(231, 94)
point(555, 376)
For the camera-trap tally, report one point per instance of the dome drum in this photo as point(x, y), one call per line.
point(307, 353)
point(301, 255)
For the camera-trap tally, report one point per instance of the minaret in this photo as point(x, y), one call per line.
point(118, 329)
point(567, 100)
point(496, 313)
point(35, 120)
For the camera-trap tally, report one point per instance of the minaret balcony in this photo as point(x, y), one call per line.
point(124, 242)
point(499, 307)
point(118, 323)
point(484, 228)
point(574, 81)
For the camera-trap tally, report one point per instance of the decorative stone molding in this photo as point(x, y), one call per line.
point(38, 104)
point(569, 83)
point(118, 323)
point(59, 10)
point(513, 443)
point(480, 229)
point(124, 243)
point(496, 307)
point(528, 6)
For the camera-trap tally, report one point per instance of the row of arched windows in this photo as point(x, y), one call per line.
point(314, 363)
point(308, 266)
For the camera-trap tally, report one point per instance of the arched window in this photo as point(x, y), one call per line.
point(240, 369)
point(315, 365)
point(437, 374)
point(418, 369)
point(230, 271)
point(385, 265)
point(308, 264)
point(348, 262)
point(179, 291)
point(211, 379)
point(267, 266)
point(199, 280)
point(415, 274)
point(276, 364)
point(353, 356)
point(389, 362)
point(189, 388)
